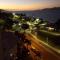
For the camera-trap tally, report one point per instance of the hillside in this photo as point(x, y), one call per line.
point(51, 14)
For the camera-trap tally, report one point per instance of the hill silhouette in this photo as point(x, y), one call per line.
point(50, 14)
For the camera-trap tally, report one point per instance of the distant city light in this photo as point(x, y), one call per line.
point(43, 24)
point(22, 19)
point(50, 28)
point(13, 13)
point(37, 19)
point(11, 54)
point(29, 23)
point(19, 23)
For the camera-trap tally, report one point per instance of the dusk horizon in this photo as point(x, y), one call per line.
point(29, 10)
point(28, 4)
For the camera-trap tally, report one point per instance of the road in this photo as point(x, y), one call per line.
point(52, 33)
point(47, 54)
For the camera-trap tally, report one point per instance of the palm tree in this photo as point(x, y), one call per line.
point(24, 27)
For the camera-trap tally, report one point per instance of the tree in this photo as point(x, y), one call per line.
point(8, 23)
point(2, 22)
point(24, 26)
point(6, 19)
point(57, 25)
point(5, 15)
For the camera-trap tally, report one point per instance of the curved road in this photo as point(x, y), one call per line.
point(47, 54)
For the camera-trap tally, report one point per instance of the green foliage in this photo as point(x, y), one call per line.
point(16, 27)
point(2, 22)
